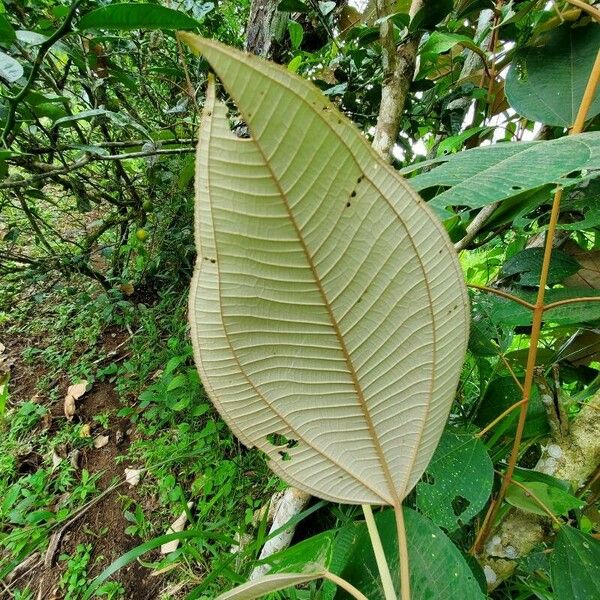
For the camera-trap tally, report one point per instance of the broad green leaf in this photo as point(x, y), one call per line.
point(7, 32)
point(327, 305)
point(526, 267)
point(575, 565)
point(457, 482)
point(502, 393)
point(10, 69)
point(507, 312)
point(545, 83)
point(555, 499)
point(268, 584)
point(481, 176)
point(296, 34)
point(136, 15)
point(31, 38)
point(293, 6)
point(439, 42)
point(82, 116)
point(437, 568)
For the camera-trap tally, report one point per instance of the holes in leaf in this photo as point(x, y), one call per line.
point(459, 505)
point(278, 439)
point(285, 455)
point(428, 478)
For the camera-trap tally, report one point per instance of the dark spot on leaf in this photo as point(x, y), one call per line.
point(353, 194)
point(459, 505)
point(348, 205)
point(285, 455)
point(360, 178)
point(213, 261)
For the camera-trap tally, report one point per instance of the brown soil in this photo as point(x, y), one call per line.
point(104, 524)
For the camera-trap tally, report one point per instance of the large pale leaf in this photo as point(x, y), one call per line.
point(328, 311)
point(545, 83)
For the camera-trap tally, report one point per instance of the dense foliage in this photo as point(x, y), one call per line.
point(496, 127)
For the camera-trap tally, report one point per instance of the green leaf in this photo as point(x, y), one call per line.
point(296, 34)
point(457, 482)
point(575, 565)
point(508, 312)
point(431, 14)
point(439, 42)
point(437, 568)
point(7, 32)
point(555, 499)
point(526, 267)
point(10, 69)
point(31, 38)
point(293, 6)
point(475, 178)
point(301, 330)
point(546, 83)
point(82, 116)
point(134, 15)
point(502, 393)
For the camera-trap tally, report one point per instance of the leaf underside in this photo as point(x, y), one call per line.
point(328, 312)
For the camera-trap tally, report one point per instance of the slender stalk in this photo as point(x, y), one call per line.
point(483, 288)
point(382, 565)
point(403, 553)
point(499, 418)
point(538, 313)
point(568, 301)
point(345, 585)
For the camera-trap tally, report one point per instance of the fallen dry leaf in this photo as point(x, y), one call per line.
point(69, 408)
point(127, 288)
point(589, 274)
point(77, 390)
point(85, 431)
point(132, 476)
point(100, 441)
point(56, 458)
point(176, 527)
point(2, 347)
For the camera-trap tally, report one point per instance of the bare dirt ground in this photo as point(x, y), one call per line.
point(103, 524)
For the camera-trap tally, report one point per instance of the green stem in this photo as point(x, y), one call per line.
point(382, 566)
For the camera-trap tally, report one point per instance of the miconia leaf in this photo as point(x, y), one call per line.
point(135, 15)
point(457, 483)
point(328, 310)
point(437, 568)
point(575, 565)
point(530, 496)
point(546, 83)
point(481, 176)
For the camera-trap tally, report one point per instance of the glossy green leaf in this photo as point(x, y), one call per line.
point(545, 83)
point(477, 177)
point(136, 15)
point(437, 568)
point(271, 583)
point(292, 6)
point(507, 312)
point(457, 482)
point(10, 69)
point(556, 499)
point(502, 393)
point(575, 565)
point(298, 340)
point(7, 32)
point(526, 266)
point(296, 34)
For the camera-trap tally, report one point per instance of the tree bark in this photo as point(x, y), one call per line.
point(266, 26)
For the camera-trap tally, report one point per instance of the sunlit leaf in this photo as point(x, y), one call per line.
point(327, 306)
point(545, 83)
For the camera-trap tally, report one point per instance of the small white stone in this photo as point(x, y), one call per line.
point(490, 575)
point(554, 451)
point(511, 552)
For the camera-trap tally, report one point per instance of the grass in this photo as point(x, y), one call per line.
point(186, 451)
